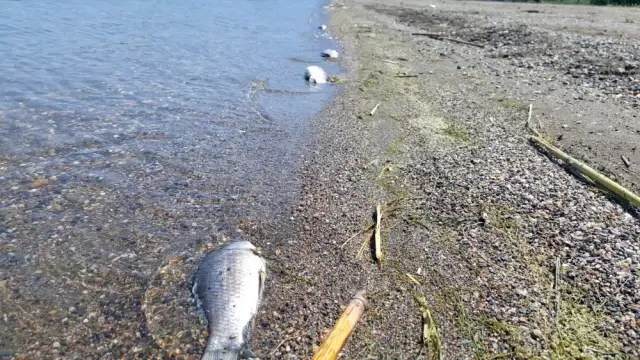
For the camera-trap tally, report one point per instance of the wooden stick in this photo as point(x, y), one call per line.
point(533, 130)
point(437, 36)
point(376, 238)
point(343, 328)
point(374, 109)
point(625, 161)
point(556, 281)
point(556, 286)
point(591, 173)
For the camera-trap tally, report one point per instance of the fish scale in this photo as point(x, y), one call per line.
point(229, 284)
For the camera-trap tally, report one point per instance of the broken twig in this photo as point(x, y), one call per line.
point(430, 334)
point(533, 130)
point(625, 161)
point(556, 285)
point(374, 109)
point(440, 37)
point(367, 240)
point(413, 279)
point(356, 234)
point(377, 240)
point(556, 281)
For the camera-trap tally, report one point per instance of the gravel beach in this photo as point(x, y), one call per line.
point(512, 255)
point(515, 257)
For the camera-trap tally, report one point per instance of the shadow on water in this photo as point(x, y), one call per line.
point(130, 143)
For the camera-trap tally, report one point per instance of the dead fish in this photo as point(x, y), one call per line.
point(330, 53)
point(315, 75)
point(229, 285)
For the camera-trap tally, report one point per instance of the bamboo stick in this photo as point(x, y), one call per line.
point(343, 328)
point(591, 173)
point(377, 240)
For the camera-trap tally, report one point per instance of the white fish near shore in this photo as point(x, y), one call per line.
point(229, 285)
point(330, 53)
point(316, 74)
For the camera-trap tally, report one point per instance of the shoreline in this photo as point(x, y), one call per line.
point(512, 256)
point(472, 212)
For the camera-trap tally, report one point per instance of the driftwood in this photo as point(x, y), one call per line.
point(377, 240)
point(343, 328)
point(589, 172)
point(440, 37)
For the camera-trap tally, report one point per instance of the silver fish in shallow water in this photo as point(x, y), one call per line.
point(229, 285)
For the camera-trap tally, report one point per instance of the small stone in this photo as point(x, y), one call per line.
point(72, 310)
point(39, 183)
point(522, 292)
point(56, 345)
point(537, 334)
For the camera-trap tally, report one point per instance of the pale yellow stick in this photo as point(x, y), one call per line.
point(343, 328)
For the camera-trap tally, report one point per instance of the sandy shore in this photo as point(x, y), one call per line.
point(515, 257)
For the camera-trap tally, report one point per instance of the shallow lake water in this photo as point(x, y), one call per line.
point(132, 131)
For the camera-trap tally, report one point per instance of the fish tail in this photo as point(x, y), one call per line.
point(220, 355)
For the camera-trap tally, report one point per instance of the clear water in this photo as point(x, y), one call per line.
point(137, 93)
point(133, 131)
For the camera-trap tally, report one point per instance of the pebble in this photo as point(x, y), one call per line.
point(537, 334)
point(56, 345)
